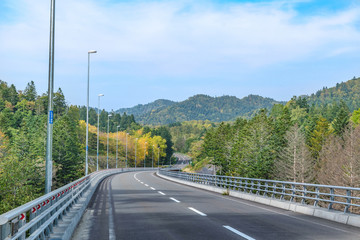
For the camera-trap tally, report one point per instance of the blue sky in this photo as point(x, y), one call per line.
point(166, 49)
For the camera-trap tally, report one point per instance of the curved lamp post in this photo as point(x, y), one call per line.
point(87, 114)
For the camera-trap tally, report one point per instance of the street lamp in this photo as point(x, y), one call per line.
point(152, 163)
point(136, 140)
point(107, 153)
point(117, 142)
point(158, 157)
point(126, 163)
point(145, 154)
point(87, 114)
point(49, 138)
point(98, 132)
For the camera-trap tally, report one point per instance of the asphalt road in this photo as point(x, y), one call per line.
point(144, 206)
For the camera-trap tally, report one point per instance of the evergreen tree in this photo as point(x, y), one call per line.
point(341, 120)
point(30, 92)
point(258, 155)
point(319, 136)
point(67, 152)
point(13, 97)
point(59, 102)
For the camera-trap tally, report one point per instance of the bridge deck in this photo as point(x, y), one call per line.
point(143, 206)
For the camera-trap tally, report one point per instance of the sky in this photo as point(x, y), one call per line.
point(167, 49)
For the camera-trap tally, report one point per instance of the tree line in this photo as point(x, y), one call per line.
point(23, 123)
point(292, 142)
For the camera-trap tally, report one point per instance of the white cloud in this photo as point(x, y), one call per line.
point(152, 31)
point(171, 38)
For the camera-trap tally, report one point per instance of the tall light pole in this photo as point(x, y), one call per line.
point(126, 162)
point(107, 151)
point(152, 163)
point(98, 132)
point(145, 154)
point(87, 114)
point(136, 140)
point(48, 170)
point(117, 142)
point(158, 157)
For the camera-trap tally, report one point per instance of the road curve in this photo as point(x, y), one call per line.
point(143, 206)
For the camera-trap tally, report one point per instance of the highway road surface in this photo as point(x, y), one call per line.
point(140, 205)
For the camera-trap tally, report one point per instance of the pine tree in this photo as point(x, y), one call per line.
point(59, 102)
point(67, 152)
point(318, 136)
point(341, 120)
point(30, 92)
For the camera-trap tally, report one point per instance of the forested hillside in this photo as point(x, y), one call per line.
point(141, 109)
point(293, 142)
point(349, 92)
point(23, 124)
point(203, 107)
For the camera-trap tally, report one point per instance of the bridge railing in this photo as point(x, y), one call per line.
point(36, 219)
point(346, 199)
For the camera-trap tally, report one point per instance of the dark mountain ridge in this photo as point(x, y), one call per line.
point(199, 107)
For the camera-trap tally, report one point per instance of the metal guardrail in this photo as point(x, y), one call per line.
point(36, 219)
point(344, 199)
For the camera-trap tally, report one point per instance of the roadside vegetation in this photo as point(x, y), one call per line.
point(23, 123)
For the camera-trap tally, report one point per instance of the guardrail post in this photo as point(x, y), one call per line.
point(293, 191)
point(348, 200)
point(317, 196)
point(332, 198)
point(4, 229)
point(304, 194)
point(266, 189)
point(283, 191)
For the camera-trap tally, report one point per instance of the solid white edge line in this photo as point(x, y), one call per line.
point(238, 233)
point(153, 188)
point(197, 211)
point(161, 193)
point(175, 200)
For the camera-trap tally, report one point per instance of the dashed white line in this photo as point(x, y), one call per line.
point(152, 188)
point(141, 182)
point(161, 193)
point(175, 200)
point(239, 233)
point(146, 185)
point(111, 217)
point(197, 211)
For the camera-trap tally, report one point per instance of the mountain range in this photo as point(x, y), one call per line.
point(227, 108)
point(198, 107)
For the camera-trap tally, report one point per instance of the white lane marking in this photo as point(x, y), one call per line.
point(135, 176)
point(197, 211)
point(242, 201)
point(146, 185)
point(238, 233)
point(153, 188)
point(111, 218)
point(161, 193)
point(141, 182)
point(175, 200)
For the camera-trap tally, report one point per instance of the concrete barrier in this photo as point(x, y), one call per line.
point(332, 215)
